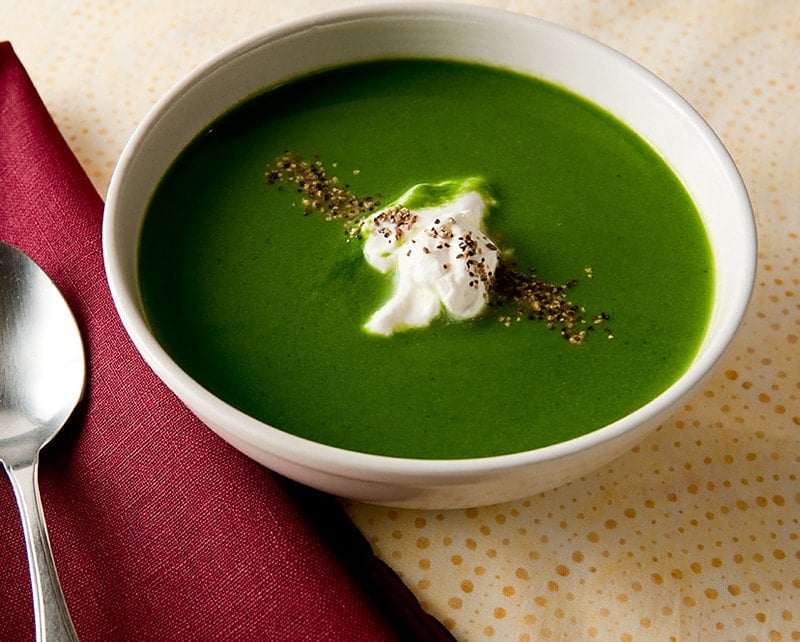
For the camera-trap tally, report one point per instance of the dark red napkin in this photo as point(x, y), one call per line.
point(160, 530)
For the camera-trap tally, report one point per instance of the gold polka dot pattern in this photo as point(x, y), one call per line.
point(692, 535)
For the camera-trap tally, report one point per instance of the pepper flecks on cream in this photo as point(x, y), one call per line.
point(439, 257)
point(432, 240)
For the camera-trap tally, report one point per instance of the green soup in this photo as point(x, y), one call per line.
point(265, 306)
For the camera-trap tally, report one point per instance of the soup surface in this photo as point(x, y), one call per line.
point(265, 305)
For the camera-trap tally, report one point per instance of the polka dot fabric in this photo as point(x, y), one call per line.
point(692, 535)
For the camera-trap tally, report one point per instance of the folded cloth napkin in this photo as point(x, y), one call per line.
point(160, 530)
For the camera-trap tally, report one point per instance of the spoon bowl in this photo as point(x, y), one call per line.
point(42, 377)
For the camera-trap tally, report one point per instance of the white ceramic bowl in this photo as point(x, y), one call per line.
point(588, 68)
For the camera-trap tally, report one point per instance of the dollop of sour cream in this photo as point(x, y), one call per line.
point(440, 258)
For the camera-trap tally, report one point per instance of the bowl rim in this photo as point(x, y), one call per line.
point(335, 460)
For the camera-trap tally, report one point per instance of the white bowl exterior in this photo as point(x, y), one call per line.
point(502, 39)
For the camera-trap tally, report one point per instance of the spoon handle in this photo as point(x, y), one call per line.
point(49, 607)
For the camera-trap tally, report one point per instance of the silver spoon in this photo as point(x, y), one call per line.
point(42, 375)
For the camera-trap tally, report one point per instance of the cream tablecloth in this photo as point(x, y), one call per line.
point(694, 534)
